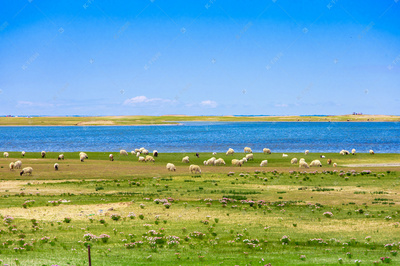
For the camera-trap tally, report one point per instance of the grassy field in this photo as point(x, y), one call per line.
point(134, 213)
point(158, 120)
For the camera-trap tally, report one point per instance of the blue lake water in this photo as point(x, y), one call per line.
point(382, 137)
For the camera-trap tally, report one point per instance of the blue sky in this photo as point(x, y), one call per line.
point(215, 57)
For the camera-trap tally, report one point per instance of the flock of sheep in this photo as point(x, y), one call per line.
point(192, 168)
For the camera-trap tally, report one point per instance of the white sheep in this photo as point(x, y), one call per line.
point(194, 168)
point(123, 152)
point(264, 163)
point(145, 152)
point(303, 164)
point(83, 154)
point(23, 153)
point(141, 149)
point(11, 166)
point(353, 151)
point(284, 155)
point(334, 164)
point(315, 163)
point(244, 159)
point(149, 158)
point(43, 154)
point(61, 157)
point(18, 164)
point(211, 161)
point(26, 170)
point(155, 153)
point(249, 156)
point(5, 154)
point(247, 150)
point(185, 159)
point(237, 162)
point(138, 154)
point(138, 151)
point(306, 152)
point(214, 153)
point(293, 161)
point(267, 151)
point(141, 159)
point(171, 167)
point(371, 152)
point(56, 166)
point(344, 152)
point(230, 151)
point(82, 157)
point(219, 161)
point(133, 152)
point(111, 157)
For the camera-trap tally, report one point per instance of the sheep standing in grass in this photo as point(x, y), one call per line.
point(11, 166)
point(26, 170)
point(249, 156)
point(123, 152)
point(264, 163)
point(194, 168)
point(155, 153)
point(266, 151)
point(43, 154)
point(210, 161)
point(171, 167)
point(149, 158)
point(185, 159)
point(303, 164)
point(219, 161)
point(138, 151)
point(247, 150)
point(133, 152)
point(18, 164)
point(334, 164)
point(145, 152)
point(82, 157)
point(371, 152)
point(5, 154)
point(83, 154)
point(61, 157)
point(111, 157)
point(353, 151)
point(244, 159)
point(329, 161)
point(284, 155)
point(23, 153)
point(316, 163)
point(141, 159)
point(344, 152)
point(293, 161)
point(56, 166)
point(306, 152)
point(230, 152)
point(237, 162)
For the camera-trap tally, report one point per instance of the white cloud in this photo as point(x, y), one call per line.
point(143, 99)
point(208, 103)
point(33, 104)
point(283, 105)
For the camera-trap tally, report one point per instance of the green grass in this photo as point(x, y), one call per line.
point(292, 203)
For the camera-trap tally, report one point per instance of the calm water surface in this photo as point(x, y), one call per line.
point(382, 137)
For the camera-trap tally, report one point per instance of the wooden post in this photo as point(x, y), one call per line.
point(90, 260)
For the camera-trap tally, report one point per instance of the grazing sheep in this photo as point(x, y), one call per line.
point(322, 156)
point(123, 152)
point(138, 154)
point(56, 166)
point(249, 156)
point(149, 158)
point(210, 161)
point(267, 151)
point(141, 159)
point(315, 163)
point(111, 157)
point(329, 161)
point(344, 152)
point(11, 166)
point(61, 157)
point(334, 164)
point(171, 167)
point(5, 154)
point(284, 155)
point(26, 170)
point(230, 151)
point(185, 159)
point(23, 153)
point(155, 153)
point(84, 154)
point(244, 159)
point(306, 152)
point(302, 160)
point(219, 161)
point(247, 149)
point(214, 153)
point(194, 168)
point(264, 163)
point(303, 164)
point(82, 157)
point(353, 151)
point(18, 165)
point(43, 154)
point(197, 155)
point(145, 152)
point(293, 161)
point(237, 162)
point(138, 151)
point(133, 152)
point(371, 152)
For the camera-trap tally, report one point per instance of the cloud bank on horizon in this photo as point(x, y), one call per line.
point(212, 57)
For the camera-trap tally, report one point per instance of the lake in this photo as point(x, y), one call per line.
point(382, 137)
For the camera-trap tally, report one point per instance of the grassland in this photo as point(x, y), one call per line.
point(165, 120)
point(261, 206)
